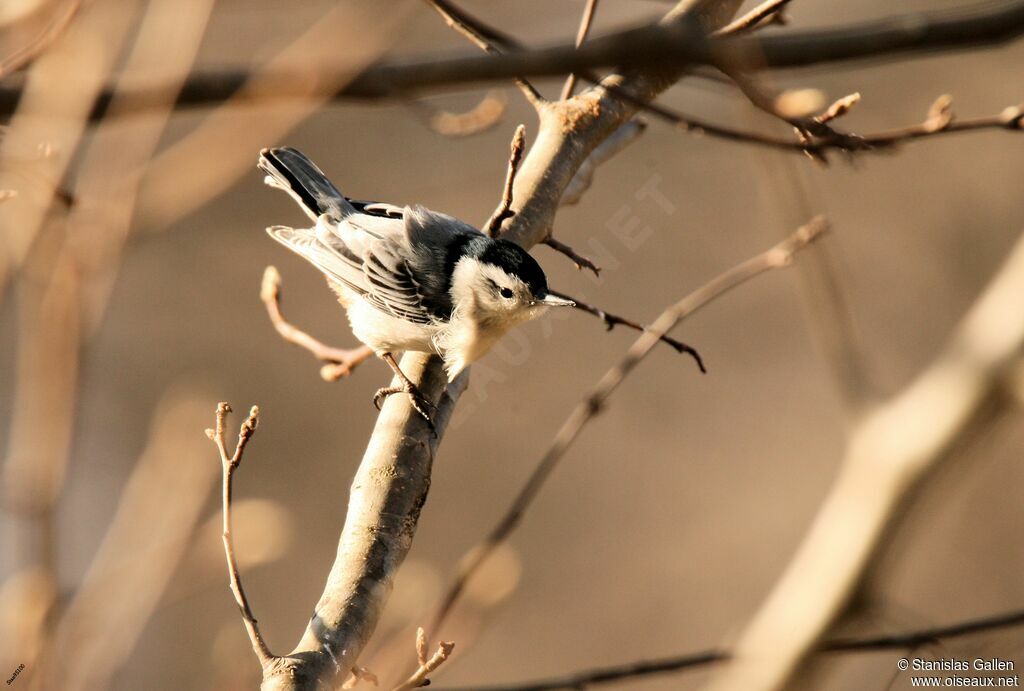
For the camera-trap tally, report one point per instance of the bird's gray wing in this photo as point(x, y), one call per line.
point(400, 265)
point(436, 242)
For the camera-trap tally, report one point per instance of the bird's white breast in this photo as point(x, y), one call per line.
point(385, 333)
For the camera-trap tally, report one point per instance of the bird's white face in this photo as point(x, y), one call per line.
point(488, 302)
point(493, 296)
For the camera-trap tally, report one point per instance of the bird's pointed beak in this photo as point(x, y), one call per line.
point(550, 300)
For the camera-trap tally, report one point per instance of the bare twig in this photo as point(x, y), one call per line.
point(481, 117)
point(776, 257)
point(815, 136)
point(770, 10)
point(581, 35)
point(890, 452)
point(340, 361)
point(229, 463)
point(632, 670)
point(427, 665)
point(612, 320)
point(25, 55)
point(360, 674)
point(484, 38)
point(493, 226)
point(579, 260)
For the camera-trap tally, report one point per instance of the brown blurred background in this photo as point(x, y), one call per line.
point(674, 513)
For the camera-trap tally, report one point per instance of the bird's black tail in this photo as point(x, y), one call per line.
point(293, 172)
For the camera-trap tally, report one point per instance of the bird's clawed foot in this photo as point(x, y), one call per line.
point(419, 402)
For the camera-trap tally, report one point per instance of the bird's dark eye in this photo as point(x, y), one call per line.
point(506, 293)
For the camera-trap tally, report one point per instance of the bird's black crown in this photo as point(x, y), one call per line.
point(515, 261)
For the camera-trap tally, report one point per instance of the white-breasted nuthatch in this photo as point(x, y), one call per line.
point(410, 278)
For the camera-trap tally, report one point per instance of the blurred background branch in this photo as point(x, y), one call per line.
point(123, 117)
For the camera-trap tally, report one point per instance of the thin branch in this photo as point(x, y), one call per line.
point(776, 257)
point(890, 453)
point(669, 46)
point(818, 137)
point(360, 674)
point(612, 320)
point(229, 464)
point(427, 665)
point(579, 260)
point(493, 226)
point(913, 639)
point(632, 670)
point(770, 10)
point(581, 35)
point(480, 118)
point(340, 362)
point(486, 39)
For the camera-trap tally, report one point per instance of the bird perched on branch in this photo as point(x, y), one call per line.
point(410, 278)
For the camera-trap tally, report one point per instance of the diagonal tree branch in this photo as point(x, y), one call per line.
point(581, 35)
point(779, 256)
point(768, 11)
point(890, 452)
point(486, 39)
point(391, 485)
point(659, 45)
point(612, 320)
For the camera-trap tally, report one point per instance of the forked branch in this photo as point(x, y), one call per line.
point(229, 464)
point(426, 664)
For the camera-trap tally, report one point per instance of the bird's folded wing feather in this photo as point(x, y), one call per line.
point(376, 253)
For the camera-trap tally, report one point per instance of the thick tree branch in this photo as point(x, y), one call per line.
point(666, 46)
point(677, 47)
point(890, 452)
point(391, 484)
point(779, 256)
point(677, 663)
